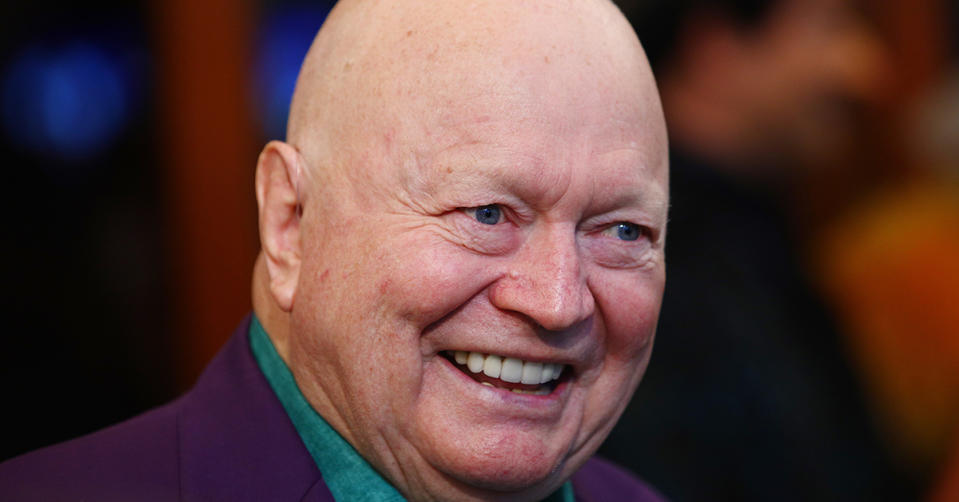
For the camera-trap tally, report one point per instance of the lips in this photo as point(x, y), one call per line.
point(510, 373)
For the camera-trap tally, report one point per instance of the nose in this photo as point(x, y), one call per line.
point(545, 281)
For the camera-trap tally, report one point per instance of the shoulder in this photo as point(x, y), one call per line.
point(133, 458)
point(601, 480)
point(228, 438)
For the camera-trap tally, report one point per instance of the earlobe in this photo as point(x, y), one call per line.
point(277, 171)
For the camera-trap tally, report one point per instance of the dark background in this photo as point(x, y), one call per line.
point(129, 138)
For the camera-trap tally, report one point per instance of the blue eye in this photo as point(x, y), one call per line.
point(490, 214)
point(628, 231)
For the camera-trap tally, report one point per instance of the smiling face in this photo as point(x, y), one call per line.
point(482, 267)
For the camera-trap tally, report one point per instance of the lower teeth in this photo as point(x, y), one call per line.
point(542, 391)
point(537, 392)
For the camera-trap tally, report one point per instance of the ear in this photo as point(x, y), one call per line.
point(277, 173)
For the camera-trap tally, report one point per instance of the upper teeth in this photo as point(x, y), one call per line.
point(509, 369)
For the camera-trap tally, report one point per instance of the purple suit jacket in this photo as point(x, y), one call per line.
point(227, 439)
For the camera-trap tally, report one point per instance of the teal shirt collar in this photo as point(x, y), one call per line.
point(348, 476)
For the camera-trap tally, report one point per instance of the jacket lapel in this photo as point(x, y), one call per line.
point(236, 442)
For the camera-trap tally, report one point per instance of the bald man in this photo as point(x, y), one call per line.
point(461, 272)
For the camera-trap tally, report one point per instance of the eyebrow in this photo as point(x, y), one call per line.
point(648, 199)
point(447, 173)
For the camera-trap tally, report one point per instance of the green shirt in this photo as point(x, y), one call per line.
point(348, 476)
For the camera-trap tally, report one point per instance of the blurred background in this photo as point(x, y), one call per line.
point(809, 343)
point(130, 132)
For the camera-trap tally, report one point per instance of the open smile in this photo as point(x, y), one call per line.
point(508, 373)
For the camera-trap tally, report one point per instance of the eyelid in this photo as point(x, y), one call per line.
point(608, 250)
point(486, 238)
point(473, 211)
point(613, 230)
point(507, 214)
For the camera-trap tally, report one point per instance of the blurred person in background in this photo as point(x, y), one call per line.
point(903, 323)
point(751, 396)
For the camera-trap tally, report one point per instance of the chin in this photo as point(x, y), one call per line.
point(496, 443)
point(510, 467)
point(507, 475)
point(509, 486)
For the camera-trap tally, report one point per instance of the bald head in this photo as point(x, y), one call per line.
point(378, 66)
point(482, 181)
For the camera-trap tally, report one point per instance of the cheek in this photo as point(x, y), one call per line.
point(433, 281)
point(630, 312)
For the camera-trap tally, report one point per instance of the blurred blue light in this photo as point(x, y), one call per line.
point(68, 102)
point(285, 37)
